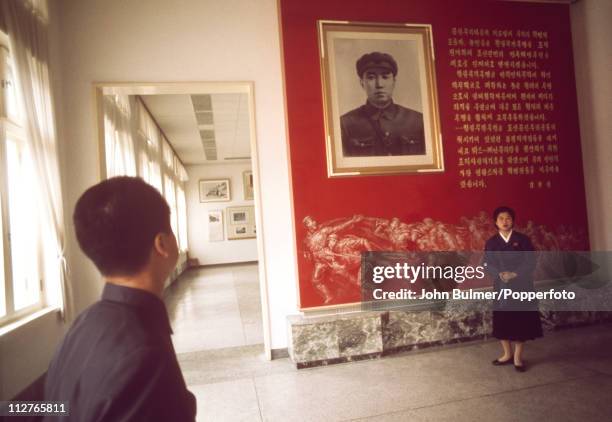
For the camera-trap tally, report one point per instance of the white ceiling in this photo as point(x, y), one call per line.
point(176, 117)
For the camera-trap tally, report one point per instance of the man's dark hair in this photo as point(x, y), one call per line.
point(501, 209)
point(116, 222)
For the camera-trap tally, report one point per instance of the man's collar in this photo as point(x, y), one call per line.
point(388, 112)
point(150, 304)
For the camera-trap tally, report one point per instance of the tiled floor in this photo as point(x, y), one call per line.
point(569, 379)
point(215, 307)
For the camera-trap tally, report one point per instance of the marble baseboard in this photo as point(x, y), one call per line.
point(327, 340)
point(279, 353)
point(411, 330)
point(425, 345)
point(554, 320)
point(344, 359)
point(334, 339)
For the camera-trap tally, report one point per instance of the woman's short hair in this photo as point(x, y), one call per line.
point(116, 222)
point(501, 209)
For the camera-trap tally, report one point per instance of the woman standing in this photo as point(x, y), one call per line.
point(510, 260)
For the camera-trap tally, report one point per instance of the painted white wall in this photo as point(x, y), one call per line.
point(185, 40)
point(225, 251)
point(591, 33)
point(179, 40)
point(25, 352)
point(162, 41)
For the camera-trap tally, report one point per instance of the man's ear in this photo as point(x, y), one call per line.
point(361, 83)
point(160, 244)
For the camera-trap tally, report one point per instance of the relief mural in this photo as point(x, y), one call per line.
point(333, 248)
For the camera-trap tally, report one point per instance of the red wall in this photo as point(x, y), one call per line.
point(415, 197)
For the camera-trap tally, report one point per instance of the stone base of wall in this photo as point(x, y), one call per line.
point(326, 340)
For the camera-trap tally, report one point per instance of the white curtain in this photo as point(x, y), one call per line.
point(27, 27)
point(120, 149)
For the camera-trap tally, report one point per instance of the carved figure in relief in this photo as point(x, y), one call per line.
point(348, 252)
point(398, 233)
point(319, 251)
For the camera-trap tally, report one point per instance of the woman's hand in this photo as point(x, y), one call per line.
point(506, 276)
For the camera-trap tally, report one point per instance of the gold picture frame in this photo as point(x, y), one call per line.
point(370, 128)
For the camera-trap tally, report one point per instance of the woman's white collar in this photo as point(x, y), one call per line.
point(506, 239)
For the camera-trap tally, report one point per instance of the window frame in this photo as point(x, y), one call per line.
point(13, 127)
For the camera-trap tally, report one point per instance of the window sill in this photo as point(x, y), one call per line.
point(16, 325)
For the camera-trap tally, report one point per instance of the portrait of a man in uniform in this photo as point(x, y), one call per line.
point(380, 127)
point(379, 99)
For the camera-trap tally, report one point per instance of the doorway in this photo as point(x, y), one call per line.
point(196, 143)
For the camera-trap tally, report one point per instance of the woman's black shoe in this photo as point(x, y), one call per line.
point(520, 368)
point(498, 362)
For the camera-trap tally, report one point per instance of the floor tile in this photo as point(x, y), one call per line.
point(584, 399)
point(210, 366)
point(226, 401)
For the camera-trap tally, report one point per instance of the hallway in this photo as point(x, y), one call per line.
point(215, 307)
point(569, 379)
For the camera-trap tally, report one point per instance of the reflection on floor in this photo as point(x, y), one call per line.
point(216, 307)
point(569, 379)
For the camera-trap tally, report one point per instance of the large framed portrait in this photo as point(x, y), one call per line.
point(214, 190)
point(380, 100)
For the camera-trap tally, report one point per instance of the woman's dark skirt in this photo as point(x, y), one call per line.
point(517, 325)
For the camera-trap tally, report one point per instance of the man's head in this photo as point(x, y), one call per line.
point(332, 240)
point(123, 224)
point(310, 223)
point(377, 72)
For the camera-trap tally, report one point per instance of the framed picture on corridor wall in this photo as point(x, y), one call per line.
point(240, 222)
point(215, 225)
point(214, 190)
point(247, 185)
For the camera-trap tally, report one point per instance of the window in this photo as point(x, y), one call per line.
point(168, 156)
point(13, 106)
point(169, 185)
point(23, 224)
point(22, 238)
point(170, 195)
point(150, 148)
point(182, 219)
point(120, 155)
point(3, 301)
